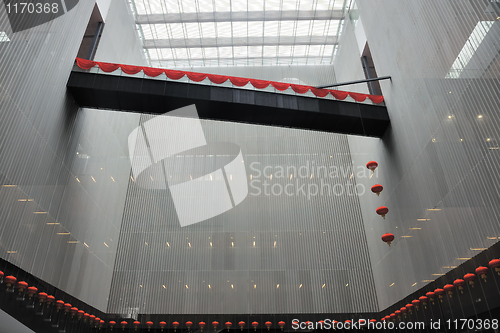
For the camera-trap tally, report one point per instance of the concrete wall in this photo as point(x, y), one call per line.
point(439, 162)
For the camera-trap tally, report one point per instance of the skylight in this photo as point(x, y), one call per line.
point(4, 37)
point(470, 47)
point(186, 33)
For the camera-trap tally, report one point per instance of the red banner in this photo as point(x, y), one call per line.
point(219, 79)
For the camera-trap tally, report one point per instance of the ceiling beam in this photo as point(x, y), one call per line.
point(239, 41)
point(264, 59)
point(273, 15)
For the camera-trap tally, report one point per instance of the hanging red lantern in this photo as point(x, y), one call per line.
point(281, 324)
point(67, 307)
point(404, 310)
point(31, 291)
point(136, 324)
point(268, 325)
point(410, 307)
point(347, 324)
point(124, 324)
point(423, 300)
point(73, 311)
point(101, 322)
point(388, 238)
point(21, 287)
point(322, 322)
point(495, 264)
point(149, 324)
point(215, 324)
point(470, 277)
point(1, 276)
point(440, 293)
point(372, 165)
point(228, 325)
point(112, 324)
point(377, 188)
point(97, 321)
point(398, 313)
point(9, 281)
point(189, 324)
point(416, 302)
point(431, 295)
point(482, 271)
point(392, 316)
point(459, 283)
point(42, 297)
point(175, 324)
point(60, 304)
point(382, 211)
point(449, 288)
point(373, 321)
point(91, 318)
point(241, 324)
point(162, 325)
point(50, 300)
point(255, 325)
point(202, 325)
point(80, 314)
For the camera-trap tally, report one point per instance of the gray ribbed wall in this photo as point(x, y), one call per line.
point(319, 241)
point(437, 154)
point(68, 168)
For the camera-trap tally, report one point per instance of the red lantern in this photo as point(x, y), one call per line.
point(1, 276)
point(50, 300)
point(388, 238)
point(149, 324)
point(382, 211)
point(80, 314)
point(281, 324)
point(470, 277)
point(482, 271)
point(60, 304)
point(189, 324)
point(440, 293)
point(372, 165)
point(431, 295)
point(459, 283)
point(91, 319)
point(228, 325)
point(21, 287)
point(392, 316)
point(398, 313)
point(136, 324)
point(241, 324)
point(449, 288)
point(404, 310)
point(255, 325)
point(9, 282)
point(162, 325)
point(97, 321)
point(175, 324)
point(347, 324)
point(101, 322)
point(377, 188)
point(67, 307)
point(124, 324)
point(423, 300)
point(73, 311)
point(31, 291)
point(415, 302)
point(202, 325)
point(215, 324)
point(268, 325)
point(495, 263)
point(112, 324)
point(410, 307)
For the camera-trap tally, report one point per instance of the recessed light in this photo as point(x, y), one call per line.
point(480, 116)
point(488, 139)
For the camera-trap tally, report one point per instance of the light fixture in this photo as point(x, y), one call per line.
point(300, 286)
point(406, 236)
point(392, 284)
point(254, 243)
point(232, 286)
point(478, 249)
point(52, 223)
point(112, 178)
point(493, 148)
point(151, 178)
point(254, 286)
point(415, 228)
point(434, 209)
point(9, 185)
point(480, 116)
point(209, 287)
point(461, 140)
point(463, 258)
point(140, 285)
point(187, 286)
point(450, 116)
point(278, 285)
point(324, 284)
point(425, 281)
point(211, 244)
point(63, 233)
point(11, 252)
point(189, 243)
point(413, 285)
point(132, 178)
point(86, 244)
point(106, 244)
point(274, 243)
point(347, 284)
point(73, 242)
point(488, 139)
point(39, 212)
point(78, 180)
point(437, 274)
point(232, 244)
point(168, 244)
point(423, 219)
point(93, 178)
point(164, 287)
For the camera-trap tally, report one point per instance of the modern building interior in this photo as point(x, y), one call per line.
point(237, 165)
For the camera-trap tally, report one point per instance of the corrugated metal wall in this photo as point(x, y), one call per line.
point(439, 163)
point(270, 254)
point(62, 190)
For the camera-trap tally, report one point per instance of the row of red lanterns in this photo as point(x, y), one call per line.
point(459, 284)
point(382, 210)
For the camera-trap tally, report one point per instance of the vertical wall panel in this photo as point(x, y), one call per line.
point(439, 161)
point(213, 267)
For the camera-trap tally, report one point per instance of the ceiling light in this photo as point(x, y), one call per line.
point(415, 228)
point(52, 223)
point(187, 286)
point(164, 287)
point(73, 242)
point(437, 274)
point(478, 249)
point(189, 244)
point(254, 286)
point(392, 284)
point(480, 116)
point(347, 284)
point(168, 244)
point(106, 244)
point(463, 258)
point(434, 209)
point(140, 285)
point(278, 285)
point(209, 287)
point(324, 284)
point(449, 117)
point(39, 212)
point(112, 179)
point(423, 219)
point(427, 281)
point(63, 233)
point(300, 286)
point(212, 245)
point(232, 286)
point(413, 285)
point(493, 148)
point(11, 252)
point(9, 185)
point(93, 178)
point(461, 139)
point(86, 244)
point(488, 139)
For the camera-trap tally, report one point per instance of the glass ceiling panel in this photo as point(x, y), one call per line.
point(225, 32)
